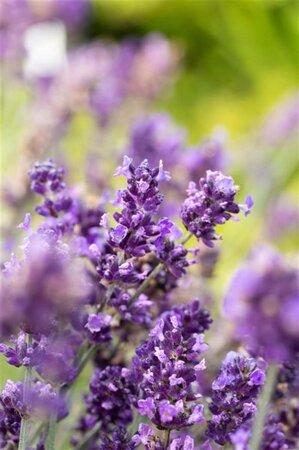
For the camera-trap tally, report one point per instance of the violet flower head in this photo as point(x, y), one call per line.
point(165, 368)
point(136, 232)
point(109, 401)
point(98, 327)
point(263, 300)
point(10, 422)
point(155, 138)
point(42, 400)
point(47, 180)
point(52, 357)
point(192, 318)
point(48, 284)
point(119, 440)
point(234, 394)
point(134, 312)
point(174, 256)
point(142, 186)
point(211, 204)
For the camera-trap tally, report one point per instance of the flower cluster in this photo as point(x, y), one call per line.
point(211, 204)
point(263, 302)
point(109, 401)
point(99, 280)
point(91, 287)
point(40, 401)
point(138, 234)
point(234, 394)
point(28, 299)
point(166, 367)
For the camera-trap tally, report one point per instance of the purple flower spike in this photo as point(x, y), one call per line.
point(166, 366)
point(211, 204)
point(263, 300)
point(108, 402)
point(234, 394)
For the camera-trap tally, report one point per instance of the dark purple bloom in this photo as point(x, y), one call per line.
point(118, 441)
point(234, 394)
point(136, 312)
point(46, 177)
point(52, 356)
point(263, 300)
point(142, 187)
point(19, 355)
point(42, 400)
point(166, 367)
point(46, 285)
point(109, 401)
point(10, 423)
point(173, 256)
point(98, 327)
point(60, 209)
point(211, 204)
point(191, 318)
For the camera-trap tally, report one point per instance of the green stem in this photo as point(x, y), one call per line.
point(24, 431)
point(50, 443)
point(88, 437)
point(167, 437)
point(107, 298)
point(186, 239)
point(153, 274)
point(37, 433)
point(262, 408)
point(86, 357)
point(147, 281)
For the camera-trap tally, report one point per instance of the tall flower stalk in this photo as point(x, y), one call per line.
point(24, 431)
point(263, 407)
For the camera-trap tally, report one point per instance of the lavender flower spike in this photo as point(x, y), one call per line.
point(211, 204)
point(166, 368)
point(263, 300)
point(234, 394)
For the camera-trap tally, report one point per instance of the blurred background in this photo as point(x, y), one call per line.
point(77, 74)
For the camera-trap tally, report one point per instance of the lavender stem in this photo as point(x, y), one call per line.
point(167, 437)
point(50, 444)
point(24, 432)
point(88, 437)
point(147, 281)
point(262, 407)
point(186, 239)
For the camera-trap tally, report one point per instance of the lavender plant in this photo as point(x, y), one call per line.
point(94, 288)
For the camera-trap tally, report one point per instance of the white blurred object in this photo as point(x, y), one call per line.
point(45, 45)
